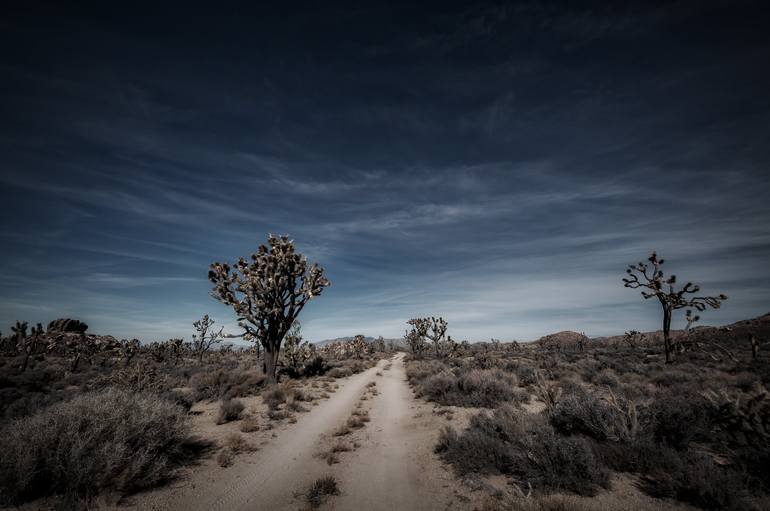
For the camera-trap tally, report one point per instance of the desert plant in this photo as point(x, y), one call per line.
point(415, 337)
point(229, 410)
point(108, 440)
point(269, 293)
point(206, 336)
point(605, 418)
point(296, 352)
point(526, 448)
point(359, 346)
point(321, 489)
point(670, 300)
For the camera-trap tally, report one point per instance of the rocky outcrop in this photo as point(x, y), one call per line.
point(66, 325)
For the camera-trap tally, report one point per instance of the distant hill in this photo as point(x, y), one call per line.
point(563, 337)
point(735, 332)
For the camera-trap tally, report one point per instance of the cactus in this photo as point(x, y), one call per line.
point(670, 300)
point(268, 293)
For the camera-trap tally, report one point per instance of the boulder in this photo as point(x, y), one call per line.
point(67, 325)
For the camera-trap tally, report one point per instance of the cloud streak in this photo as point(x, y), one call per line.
point(498, 165)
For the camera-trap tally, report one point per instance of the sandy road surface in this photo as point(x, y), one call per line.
point(395, 468)
point(269, 477)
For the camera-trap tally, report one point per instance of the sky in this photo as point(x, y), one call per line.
point(495, 164)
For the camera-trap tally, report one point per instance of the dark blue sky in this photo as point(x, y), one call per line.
point(497, 165)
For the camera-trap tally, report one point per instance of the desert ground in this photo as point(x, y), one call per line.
point(562, 423)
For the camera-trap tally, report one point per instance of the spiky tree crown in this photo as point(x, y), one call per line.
point(651, 278)
point(268, 293)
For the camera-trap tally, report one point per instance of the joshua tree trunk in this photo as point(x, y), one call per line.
point(26, 361)
point(667, 333)
point(270, 364)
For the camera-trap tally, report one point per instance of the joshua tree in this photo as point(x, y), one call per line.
point(28, 343)
point(295, 352)
point(651, 278)
point(436, 332)
point(175, 346)
point(268, 293)
point(129, 349)
point(754, 345)
point(415, 338)
point(359, 346)
point(206, 336)
point(379, 344)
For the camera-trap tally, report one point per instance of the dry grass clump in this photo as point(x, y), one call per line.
point(274, 396)
point(230, 410)
point(226, 384)
point(320, 491)
point(462, 386)
point(295, 406)
point(603, 417)
point(237, 444)
point(108, 440)
point(340, 372)
point(249, 425)
point(356, 422)
point(277, 415)
point(527, 448)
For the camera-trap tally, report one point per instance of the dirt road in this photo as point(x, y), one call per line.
point(392, 469)
point(395, 469)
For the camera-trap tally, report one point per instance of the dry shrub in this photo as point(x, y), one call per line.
point(225, 458)
point(355, 422)
point(274, 397)
point(236, 444)
point(277, 415)
point(340, 372)
point(108, 440)
point(249, 425)
point(226, 384)
point(230, 410)
point(485, 388)
point(601, 417)
point(525, 447)
point(296, 406)
point(320, 491)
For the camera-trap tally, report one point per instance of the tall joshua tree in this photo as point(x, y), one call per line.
point(268, 293)
point(650, 277)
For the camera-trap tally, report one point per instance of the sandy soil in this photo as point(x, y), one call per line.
point(391, 465)
point(270, 477)
point(395, 468)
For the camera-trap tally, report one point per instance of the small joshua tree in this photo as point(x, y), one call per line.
point(296, 352)
point(175, 347)
point(128, 350)
point(650, 277)
point(379, 344)
point(436, 332)
point(268, 293)
point(415, 338)
point(206, 336)
point(359, 346)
